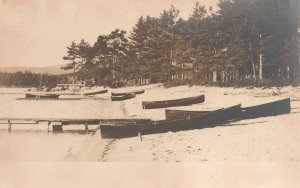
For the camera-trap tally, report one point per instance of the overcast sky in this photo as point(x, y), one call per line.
point(36, 32)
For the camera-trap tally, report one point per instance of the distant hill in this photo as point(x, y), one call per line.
point(56, 69)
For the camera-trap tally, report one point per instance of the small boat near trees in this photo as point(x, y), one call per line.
point(172, 103)
point(96, 92)
point(195, 121)
point(123, 97)
point(273, 108)
point(137, 92)
point(41, 96)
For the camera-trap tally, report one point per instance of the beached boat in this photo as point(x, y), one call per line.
point(96, 92)
point(274, 108)
point(41, 96)
point(195, 121)
point(173, 103)
point(176, 113)
point(123, 97)
point(137, 92)
point(173, 114)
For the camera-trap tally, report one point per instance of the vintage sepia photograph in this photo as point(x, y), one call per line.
point(150, 85)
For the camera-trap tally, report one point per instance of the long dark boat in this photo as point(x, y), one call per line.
point(274, 108)
point(123, 97)
point(173, 114)
point(195, 121)
point(217, 113)
point(137, 92)
point(41, 96)
point(96, 92)
point(173, 103)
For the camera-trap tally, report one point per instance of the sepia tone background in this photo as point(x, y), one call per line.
point(35, 33)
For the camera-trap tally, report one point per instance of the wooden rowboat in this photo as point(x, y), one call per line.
point(218, 114)
point(135, 92)
point(123, 130)
point(41, 96)
point(173, 103)
point(268, 109)
point(173, 114)
point(139, 92)
point(96, 92)
point(123, 97)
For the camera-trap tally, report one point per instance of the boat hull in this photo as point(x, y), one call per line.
point(268, 109)
point(173, 103)
point(122, 128)
point(135, 92)
point(123, 97)
point(173, 114)
point(96, 92)
point(41, 96)
point(184, 123)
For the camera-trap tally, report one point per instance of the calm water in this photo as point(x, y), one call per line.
point(104, 108)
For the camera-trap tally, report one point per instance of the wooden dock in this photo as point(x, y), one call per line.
point(40, 92)
point(58, 123)
point(62, 99)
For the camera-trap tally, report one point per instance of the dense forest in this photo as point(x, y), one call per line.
point(27, 79)
point(244, 41)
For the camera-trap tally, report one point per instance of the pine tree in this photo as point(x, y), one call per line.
point(73, 56)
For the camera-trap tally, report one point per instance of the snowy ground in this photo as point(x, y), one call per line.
point(270, 139)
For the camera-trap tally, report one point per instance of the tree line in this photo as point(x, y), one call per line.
point(27, 79)
point(244, 41)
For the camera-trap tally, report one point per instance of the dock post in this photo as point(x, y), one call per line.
point(49, 122)
point(86, 127)
point(100, 129)
point(57, 129)
point(9, 126)
point(140, 135)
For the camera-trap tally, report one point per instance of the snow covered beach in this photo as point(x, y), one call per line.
point(262, 139)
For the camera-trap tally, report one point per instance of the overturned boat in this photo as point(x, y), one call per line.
point(172, 103)
point(41, 96)
point(273, 108)
point(96, 92)
point(137, 92)
point(192, 121)
point(122, 97)
point(218, 115)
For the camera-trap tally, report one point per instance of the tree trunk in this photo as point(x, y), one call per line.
point(260, 67)
point(214, 76)
point(254, 70)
